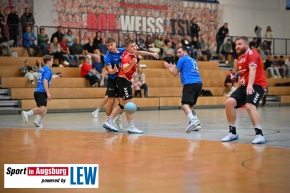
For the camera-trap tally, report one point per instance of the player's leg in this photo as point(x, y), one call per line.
point(251, 107)
point(96, 112)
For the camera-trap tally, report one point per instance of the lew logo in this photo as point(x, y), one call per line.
point(126, 92)
point(256, 97)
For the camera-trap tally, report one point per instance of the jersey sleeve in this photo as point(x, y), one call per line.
point(107, 60)
point(180, 63)
point(253, 58)
point(47, 75)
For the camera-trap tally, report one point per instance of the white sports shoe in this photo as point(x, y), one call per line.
point(25, 116)
point(37, 123)
point(193, 126)
point(134, 131)
point(110, 127)
point(259, 139)
point(230, 137)
point(95, 113)
point(118, 124)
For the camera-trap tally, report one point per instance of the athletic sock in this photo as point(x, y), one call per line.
point(30, 112)
point(131, 124)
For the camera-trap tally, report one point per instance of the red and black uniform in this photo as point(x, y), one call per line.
point(250, 58)
point(124, 83)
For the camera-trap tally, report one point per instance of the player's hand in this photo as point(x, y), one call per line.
point(48, 96)
point(133, 61)
point(168, 65)
point(115, 69)
point(102, 83)
point(155, 55)
point(250, 90)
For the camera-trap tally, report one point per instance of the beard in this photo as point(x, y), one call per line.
point(241, 51)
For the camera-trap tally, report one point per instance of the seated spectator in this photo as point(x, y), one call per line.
point(38, 65)
point(27, 71)
point(88, 72)
point(65, 53)
point(254, 45)
point(186, 42)
point(54, 49)
point(5, 44)
point(268, 65)
point(141, 42)
point(197, 48)
point(137, 87)
point(102, 49)
point(231, 81)
point(58, 34)
point(139, 75)
point(281, 67)
point(227, 49)
point(100, 69)
point(287, 64)
point(204, 48)
point(98, 38)
point(169, 39)
point(169, 53)
point(149, 42)
point(76, 51)
point(69, 38)
point(42, 40)
point(28, 42)
point(90, 49)
point(265, 49)
point(158, 43)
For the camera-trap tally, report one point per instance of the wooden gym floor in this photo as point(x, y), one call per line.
point(164, 159)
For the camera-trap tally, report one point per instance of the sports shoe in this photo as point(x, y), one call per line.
point(193, 126)
point(65, 63)
point(25, 116)
point(118, 124)
point(259, 139)
point(96, 113)
point(110, 127)
point(230, 137)
point(134, 131)
point(32, 82)
point(37, 123)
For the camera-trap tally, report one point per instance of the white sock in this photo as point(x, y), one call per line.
point(111, 119)
point(131, 124)
point(190, 116)
point(37, 118)
point(118, 118)
point(30, 112)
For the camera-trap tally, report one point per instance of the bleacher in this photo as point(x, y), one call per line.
point(72, 92)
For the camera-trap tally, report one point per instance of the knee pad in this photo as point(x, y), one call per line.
point(121, 106)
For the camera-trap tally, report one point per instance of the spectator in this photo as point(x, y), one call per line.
point(88, 72)
point(227, 49)
point(287, 64)
point(268, 65)
point(149, 43)
point(102, 48)
point(269, 36)
point(13, 21)
point(137, 87)
point(38, 65)
point(197, 48)
point(139, 75)
point(77, 51)
point(282, 66)
point(186, 42)
point(98, 66)
point(28, 42)
point(2, 19)
point(90, 49)
point(158, 43)
point(258, 31)
point(204, 48)
point(58, 34)
point(169, 39)
point(98, 38)
point(169, 53)
point(141, 42)
point(231, 81)
point(5, 44)
point(27, 71)
point(69, 38)
point(254, 45)
point(27, 19)
point(55, 50)
point(42, 40)
point(65, 53)
point(194, 28)
point(221, 35)
point(265, 49)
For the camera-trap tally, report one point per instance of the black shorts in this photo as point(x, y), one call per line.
point(124, 88)
point(240, 95)
point(40, 98)
point(190, 93)
point(112, 90)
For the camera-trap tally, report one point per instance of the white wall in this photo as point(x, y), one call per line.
point(244, 15)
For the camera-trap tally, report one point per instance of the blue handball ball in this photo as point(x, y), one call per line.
point(130, 108)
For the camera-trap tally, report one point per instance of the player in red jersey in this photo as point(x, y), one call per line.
point(251, 89)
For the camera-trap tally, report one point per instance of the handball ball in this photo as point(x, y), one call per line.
point(130, 108)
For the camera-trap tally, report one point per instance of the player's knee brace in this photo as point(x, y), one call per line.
point(121, 106)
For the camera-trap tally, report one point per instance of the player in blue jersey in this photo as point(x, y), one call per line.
point(41, 93)
point(113, 63)
point(192, 84)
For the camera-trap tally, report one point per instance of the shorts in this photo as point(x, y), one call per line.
point(240, 95)
point(40, 98)
point(112, 90)
point(124, 88)
point(190, 93)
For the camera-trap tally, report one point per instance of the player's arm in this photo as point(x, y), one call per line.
point(142, 53)
point(252, 76)
point(112, 70)
point(172, 68)
point(45, 85)
point(102, 83)
point(129, 64)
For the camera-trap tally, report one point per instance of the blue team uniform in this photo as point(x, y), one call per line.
point(188, 68)
point(44, 73)
point(113, 59)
